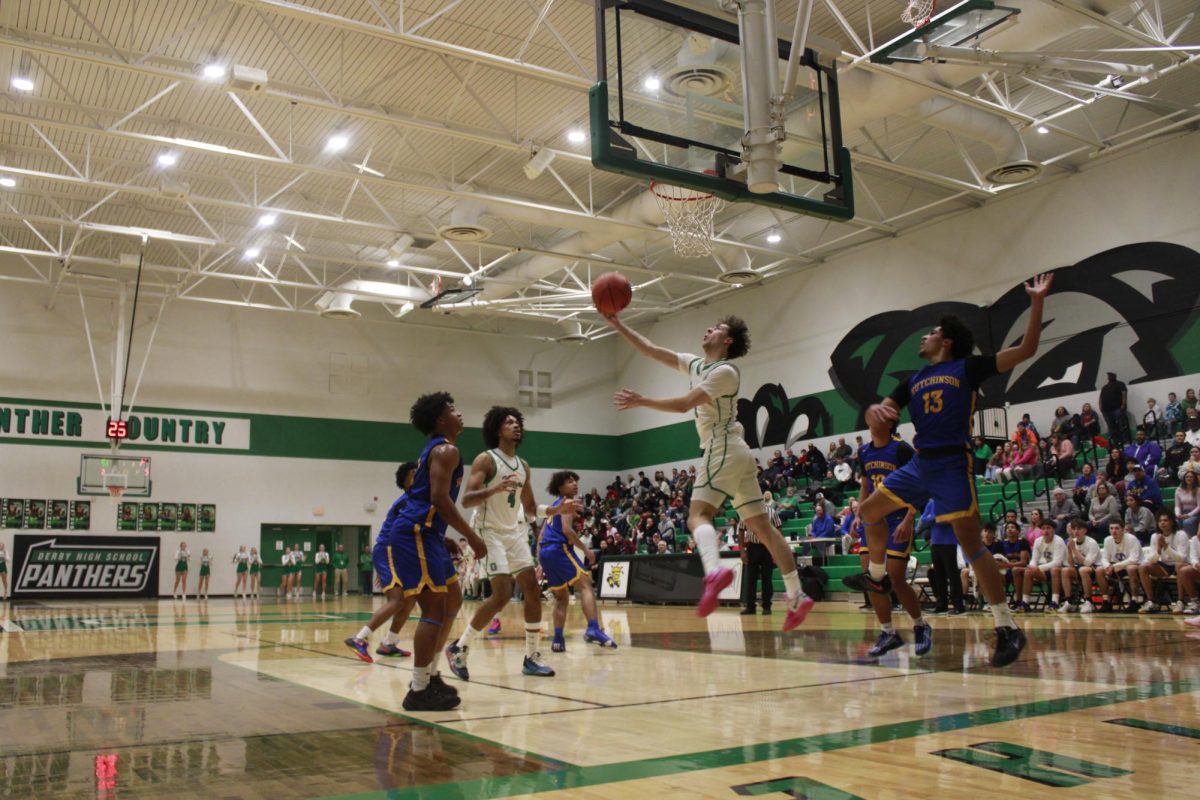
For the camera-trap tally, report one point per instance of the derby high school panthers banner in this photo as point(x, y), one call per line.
point(85, 566)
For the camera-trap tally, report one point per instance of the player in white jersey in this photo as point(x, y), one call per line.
point(498, 488)
point(727, 469)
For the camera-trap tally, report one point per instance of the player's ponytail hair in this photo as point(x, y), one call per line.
point(962, 339)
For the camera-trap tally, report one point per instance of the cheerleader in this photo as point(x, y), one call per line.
point(205, 570)
point(297, 575)
point(285, 582)
point(242, 559)
point(182, 556)
point(320, 571)
point(256, 564)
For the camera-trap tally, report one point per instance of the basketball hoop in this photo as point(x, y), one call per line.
point(115, 491)
point(689, 216)
point(918, 12)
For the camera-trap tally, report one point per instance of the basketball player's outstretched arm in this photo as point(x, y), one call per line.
point(442, 463)
point(1008, 358)
point(627, 399)
point(644, 346)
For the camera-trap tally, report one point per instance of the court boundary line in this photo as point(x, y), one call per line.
point(578, 777)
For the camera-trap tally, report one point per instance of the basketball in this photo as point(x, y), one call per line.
point(611, 292)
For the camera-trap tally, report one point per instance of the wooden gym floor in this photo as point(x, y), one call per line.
point(259, 699)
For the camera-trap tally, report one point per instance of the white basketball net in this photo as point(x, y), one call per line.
point(689, 216)
point(918, 12)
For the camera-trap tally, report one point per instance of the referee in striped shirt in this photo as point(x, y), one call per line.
point(757, 564)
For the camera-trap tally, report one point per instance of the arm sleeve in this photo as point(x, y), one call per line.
point(683, 361)
point(721, 381)
point(904, 454)
point(901, 394)
point(979, 369)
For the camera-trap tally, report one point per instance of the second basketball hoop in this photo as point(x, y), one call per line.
point(689, 215)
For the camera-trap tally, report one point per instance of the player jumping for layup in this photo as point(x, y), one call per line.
point(941, 401)
point(727, 468)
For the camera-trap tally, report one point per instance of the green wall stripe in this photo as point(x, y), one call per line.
point(348, 440)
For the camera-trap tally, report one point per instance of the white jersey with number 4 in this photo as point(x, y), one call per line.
point(720, 380)
point(502, 512)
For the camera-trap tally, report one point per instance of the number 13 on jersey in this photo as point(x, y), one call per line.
point(933, 401)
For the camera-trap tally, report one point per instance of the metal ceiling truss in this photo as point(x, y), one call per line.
point(293, 269)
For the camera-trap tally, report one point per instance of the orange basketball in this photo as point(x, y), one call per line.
point(611, 292)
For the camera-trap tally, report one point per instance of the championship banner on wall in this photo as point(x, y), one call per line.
point(51, 565)
point(614, 580)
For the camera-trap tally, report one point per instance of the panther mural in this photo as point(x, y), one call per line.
point(1120, 310)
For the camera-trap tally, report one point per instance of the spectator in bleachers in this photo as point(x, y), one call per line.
point(1062, 422)
point(1024, 435)
point(1026, 463)
point(1192, 464)
point(788, 504)
point(1034, 532)
point(821, 527)
point(1116, 469)
point(1187, 503)
point(1174, 457)
point(1016, 556)
point(1089, 423)
point(1188, 575)
point(1168, 552)
point(1104, 510)
point(1144, 488)
point(1119, 556)
point(1047, 458)
point(1152, 421)
point(1139, 520)
point(983, 455)
point(1085, 481)
point(1049, 554)
point(991, 473)
point(849, 519)
point(1144, 451)
point(816, 463)
point(1064, 456)
point(1189, 400)
point(1062, 509)
point(1191, 426)
point(819, 499)
point(1173, 413)
point(1114, 401)
point(1082, 552)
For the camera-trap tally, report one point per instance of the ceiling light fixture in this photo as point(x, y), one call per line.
point(7, 183)
point(253, 252)
point(393, 263)
point(1043, 129)
point(213, 72)
point(22, 83)
point(267, 220)
point(167, 159)
point(576, 136)
point(774, 238)
point(404, 309)
point(468, 280)
point(652, 84)
point(337, 143)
